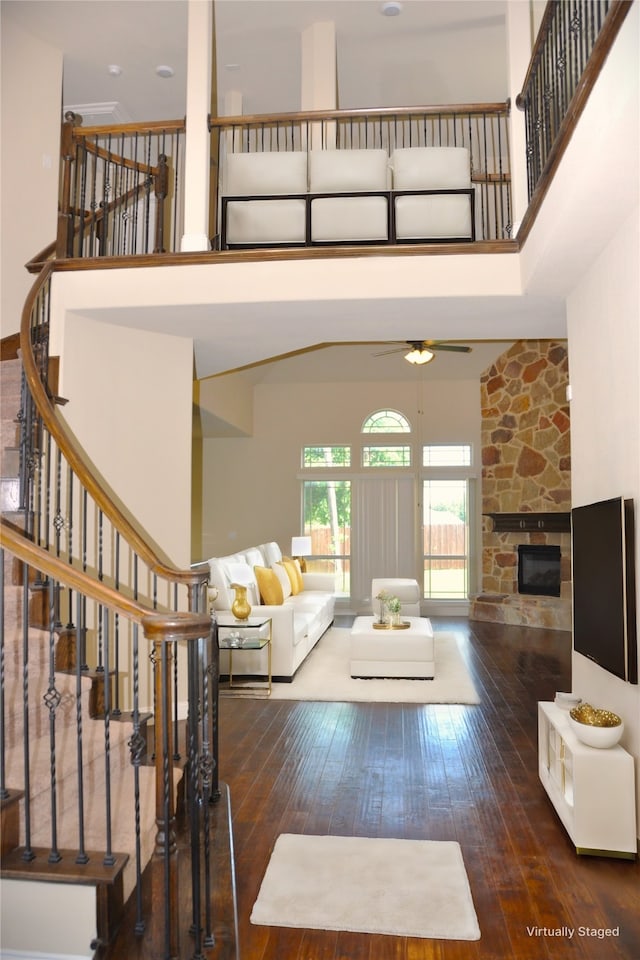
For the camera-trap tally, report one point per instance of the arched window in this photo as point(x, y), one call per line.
point(386, 421)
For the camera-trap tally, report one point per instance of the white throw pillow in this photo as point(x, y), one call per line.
point(283, 577)
point(431, 168)
point(255, 174)
point(344, 171)
point(271, 553)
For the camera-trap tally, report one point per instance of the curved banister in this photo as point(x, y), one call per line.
point(76, 458)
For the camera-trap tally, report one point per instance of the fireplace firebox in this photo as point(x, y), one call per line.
point(539, 570)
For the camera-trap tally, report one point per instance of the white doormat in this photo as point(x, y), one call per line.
point(404, 888)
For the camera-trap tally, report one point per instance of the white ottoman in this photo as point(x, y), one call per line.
point(392, 653)
point(407, 591)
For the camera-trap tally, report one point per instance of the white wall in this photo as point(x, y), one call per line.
point(56, 921)
point(130, 406)
point(604, 358)
point(251, 486)
point(29, 160)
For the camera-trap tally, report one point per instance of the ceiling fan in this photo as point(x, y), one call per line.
point(423, 351)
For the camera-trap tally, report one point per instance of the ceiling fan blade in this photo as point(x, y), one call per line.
point(452, 347)
point(387, 353)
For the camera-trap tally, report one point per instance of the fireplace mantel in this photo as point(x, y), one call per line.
point(554, 522)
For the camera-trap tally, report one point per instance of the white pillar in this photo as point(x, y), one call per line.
point(319, 81)
point(519, 47)
point(197, 146)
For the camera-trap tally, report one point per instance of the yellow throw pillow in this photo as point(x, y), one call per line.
point(293, 572)
point(269, 587)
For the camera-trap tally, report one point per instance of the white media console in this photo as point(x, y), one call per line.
point(592, 790)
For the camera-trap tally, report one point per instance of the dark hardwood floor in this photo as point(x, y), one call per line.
point(433, 772)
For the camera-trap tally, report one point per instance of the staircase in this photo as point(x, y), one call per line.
point(58, 751)
point(91, 618)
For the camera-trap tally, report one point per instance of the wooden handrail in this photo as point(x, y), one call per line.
point(128, 129)
point(76, 456)
point(475, 109)
point(112, 157)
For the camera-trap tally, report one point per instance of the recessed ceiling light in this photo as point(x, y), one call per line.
point(164, 71)
point(114, 69)
point(232, 66)
point(391, 8)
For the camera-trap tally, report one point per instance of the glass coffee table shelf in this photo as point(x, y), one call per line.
point(237, 636)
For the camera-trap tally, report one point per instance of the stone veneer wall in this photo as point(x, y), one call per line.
point(526, 467)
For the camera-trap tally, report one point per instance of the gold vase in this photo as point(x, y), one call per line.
point(240, 608)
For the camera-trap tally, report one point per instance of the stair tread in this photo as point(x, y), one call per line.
point(66, 870)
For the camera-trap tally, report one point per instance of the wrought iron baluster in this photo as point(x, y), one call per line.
point(100, 651)
point(52, 700)
point(81, 856)
point(194, 792)
point(27, 853)
point(137, 746)
point(4, 793)
point(82, 625)
point(116, 630)
point(108, 858)
point(71, 478)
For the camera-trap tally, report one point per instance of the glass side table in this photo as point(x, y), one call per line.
point(255, 633)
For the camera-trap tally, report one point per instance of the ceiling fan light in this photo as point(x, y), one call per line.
point(419, 356)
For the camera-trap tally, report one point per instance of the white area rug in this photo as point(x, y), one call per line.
point(405, 888)
point(325, 676)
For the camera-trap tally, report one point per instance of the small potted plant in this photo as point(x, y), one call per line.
point(383, 596)
point(394, 607)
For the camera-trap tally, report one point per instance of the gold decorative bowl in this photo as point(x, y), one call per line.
point(595, 727)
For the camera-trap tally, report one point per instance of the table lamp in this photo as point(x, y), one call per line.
point(301, 548)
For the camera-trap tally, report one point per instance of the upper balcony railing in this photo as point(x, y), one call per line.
point(123, 187)
point(573, 42)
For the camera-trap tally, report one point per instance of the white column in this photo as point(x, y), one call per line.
point(519, 46)
point(197, 147)
point(319, 82)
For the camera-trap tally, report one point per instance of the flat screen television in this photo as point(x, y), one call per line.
point(604, 591)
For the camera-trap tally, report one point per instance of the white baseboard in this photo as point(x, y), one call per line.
point(445, 608)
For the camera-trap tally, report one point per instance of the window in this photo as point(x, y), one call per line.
point(386, 421)
point(446, 455)
point(327, 520)
point(446, 539)
point(326, 457)
point(386, 456)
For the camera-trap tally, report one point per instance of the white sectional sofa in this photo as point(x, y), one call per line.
point(297, 623)
point(295, 198)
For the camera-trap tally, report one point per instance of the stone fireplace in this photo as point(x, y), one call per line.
point(526, 484)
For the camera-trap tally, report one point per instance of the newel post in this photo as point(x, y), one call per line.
point(64, 239)
point(161, 189)
point(162, 631)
